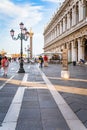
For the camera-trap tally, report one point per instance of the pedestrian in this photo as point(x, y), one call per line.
point(41, 61)
point(0, 60)
point(45, 61)
point(5, 65)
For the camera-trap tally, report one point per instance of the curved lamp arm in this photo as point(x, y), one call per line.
point(14, 38)
point(23, 35)
point(20, 36)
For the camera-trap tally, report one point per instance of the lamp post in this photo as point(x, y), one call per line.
point(23, 35)
point(27, 49)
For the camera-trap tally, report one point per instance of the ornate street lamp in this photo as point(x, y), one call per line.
point(22, 36)
point(28, 50)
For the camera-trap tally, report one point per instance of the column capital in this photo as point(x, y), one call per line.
point(83, 2)
point(69, 46)
point(80, 41)
point(31, 33)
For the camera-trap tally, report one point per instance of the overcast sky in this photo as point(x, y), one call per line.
point(34, 14)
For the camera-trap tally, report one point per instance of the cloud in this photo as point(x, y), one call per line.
point(54, 1)
point(11, 14)
point(26, 12)
point(31, 14)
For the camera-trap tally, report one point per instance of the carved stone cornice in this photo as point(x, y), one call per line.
point(76, 31)
point(59, 14)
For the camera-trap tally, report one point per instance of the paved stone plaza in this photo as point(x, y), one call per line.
point(74, 90)
point(41, 100)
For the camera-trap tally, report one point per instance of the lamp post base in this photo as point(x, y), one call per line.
point(21, 70)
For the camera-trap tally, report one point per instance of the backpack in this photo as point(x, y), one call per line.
point(6, 63)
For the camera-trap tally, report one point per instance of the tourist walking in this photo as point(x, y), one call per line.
point(5, 65)
point(41, 61)
point(45, 60)
point(0, 60)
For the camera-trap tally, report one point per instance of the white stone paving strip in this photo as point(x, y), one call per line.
point(72, 120)
point(11, 117)
point(28, 66)
point(6, 82)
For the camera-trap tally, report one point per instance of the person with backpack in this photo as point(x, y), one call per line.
point(41, 61)
point(0, 60)
point(5, 65)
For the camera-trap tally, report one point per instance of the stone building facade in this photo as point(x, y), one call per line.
point(68, 29)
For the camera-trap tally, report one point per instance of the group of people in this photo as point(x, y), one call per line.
point(4, 63)
point(43, 60)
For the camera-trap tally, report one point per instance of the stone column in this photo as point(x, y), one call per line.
point(52, 34)
point(31, 35)
point(82, 9)
point(68, 20)
point(64, 28)
point(61, 27)
point(74, 15)
point(79, 49)
point(55, 32)
point(77, 14)
point(69, 52)
point(58, 30)
point(73, 51)
point(65, 22)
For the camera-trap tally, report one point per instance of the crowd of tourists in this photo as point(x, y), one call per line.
point(4, 63)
